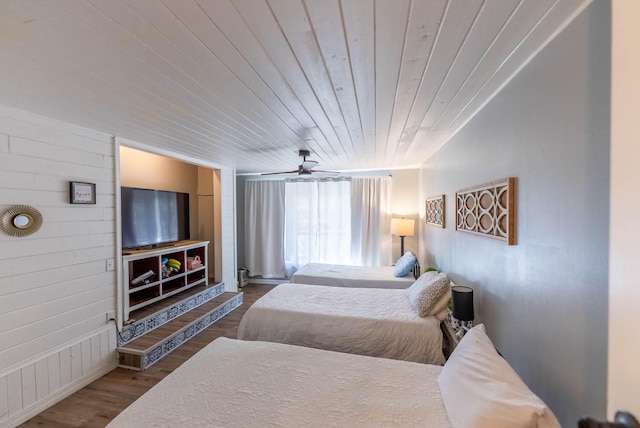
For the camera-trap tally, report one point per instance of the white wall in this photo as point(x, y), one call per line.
point(543, 300)
point(54, 287)
point(624, 240)
point(228, 238)
point(405, 203)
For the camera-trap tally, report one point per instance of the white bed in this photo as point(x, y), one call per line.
point(351, 276)
point(369, 321)
point(258, 384)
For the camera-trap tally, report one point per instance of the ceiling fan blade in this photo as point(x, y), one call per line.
point(326, 172)
point(281, 172)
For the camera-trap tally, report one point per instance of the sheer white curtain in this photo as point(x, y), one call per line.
point(370, 221)
point(264, 227)
point(334, 221)
point(317, 223)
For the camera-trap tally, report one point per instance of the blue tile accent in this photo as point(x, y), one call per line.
point(189, 331)
point(142, 326)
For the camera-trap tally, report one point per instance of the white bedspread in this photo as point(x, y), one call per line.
point(351, 276)
point(369, 321)
point(231, 383)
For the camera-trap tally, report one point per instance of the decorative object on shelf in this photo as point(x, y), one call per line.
point(21, 220)
point(488, 210)
point(462, 313)
point(170, 267)
point(402, 227)
point(142, 278)
point(82, 193)
point(194, 263)
point(435, 211)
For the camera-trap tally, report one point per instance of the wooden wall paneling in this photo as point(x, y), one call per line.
point(294, 23)
point(85, 356)
point(149, 95)
point(76, 361)
point(66, 376)
point(537, 27)
point(269, 86)
point(358, 17)
point(54, 374)
point(4, 143)
point(207, 82)
point(53, 270)
point(446, 46)
point(234, 21)
point(326, 20)
point(435, 211)
point(23, 326)
point(95, 352)
point(487, 24)
point(105, 348)
point(32, 297)
point(4, 399)
point(14, 392)
point(228, 225)
point(422, 31)
point(29, 389)
point(42, 378)
point(28, 379)
point(488, 210)
point(389, 38)
point(266, 29)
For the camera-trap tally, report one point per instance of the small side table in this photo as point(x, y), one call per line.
point(450, 341)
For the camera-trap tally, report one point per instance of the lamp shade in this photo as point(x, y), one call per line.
point(462, 299)
point(402, 226)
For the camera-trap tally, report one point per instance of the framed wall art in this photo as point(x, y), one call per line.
point(82, 193)
point(434, 212)
point(488, 210)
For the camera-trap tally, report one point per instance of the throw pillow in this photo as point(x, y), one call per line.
point(480, 389)
point(425, 293)
point(405, 264)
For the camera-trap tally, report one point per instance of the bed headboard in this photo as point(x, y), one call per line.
point(416, 270)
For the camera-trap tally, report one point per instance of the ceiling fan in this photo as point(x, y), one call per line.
point(305, 168)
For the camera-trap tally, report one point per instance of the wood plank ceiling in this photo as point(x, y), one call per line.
point(363, 84)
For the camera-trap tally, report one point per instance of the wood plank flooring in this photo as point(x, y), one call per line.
point(99, 402)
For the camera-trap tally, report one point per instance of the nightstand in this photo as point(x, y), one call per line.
point(449, 341)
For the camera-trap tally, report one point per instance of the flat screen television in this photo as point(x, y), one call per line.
point(153, 218)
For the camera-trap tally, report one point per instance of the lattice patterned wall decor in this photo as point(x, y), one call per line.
point(488, 210)
point(435, 211)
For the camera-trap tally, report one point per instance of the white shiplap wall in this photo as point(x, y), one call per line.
point(55, 290)
point(228, 232)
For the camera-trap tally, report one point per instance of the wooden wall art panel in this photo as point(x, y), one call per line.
point(488, 210)
point(435, 211)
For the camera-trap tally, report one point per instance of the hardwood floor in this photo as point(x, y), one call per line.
point(99, 402)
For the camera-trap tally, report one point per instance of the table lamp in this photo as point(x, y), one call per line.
point(402, 227)
point(462, 299)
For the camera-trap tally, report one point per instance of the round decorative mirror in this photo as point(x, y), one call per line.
point(21, 220)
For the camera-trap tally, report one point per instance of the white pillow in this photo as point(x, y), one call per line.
point(480, 389)
point(426, 292)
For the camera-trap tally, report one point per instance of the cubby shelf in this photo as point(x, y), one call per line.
point(155, 286)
